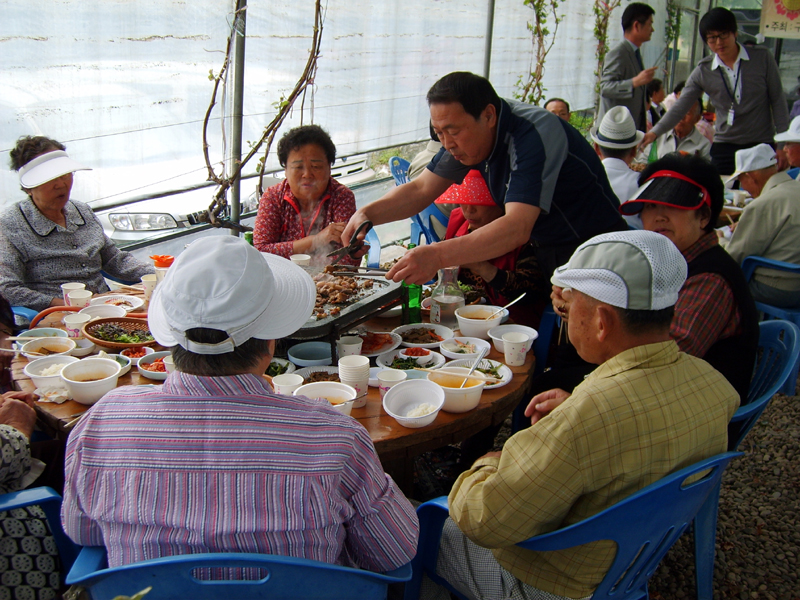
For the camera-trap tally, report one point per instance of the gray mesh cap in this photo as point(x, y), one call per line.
point(637, 270)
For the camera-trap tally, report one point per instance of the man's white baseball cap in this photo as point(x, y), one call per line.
point(221, 282)
point(753, 159)
point(638, 270)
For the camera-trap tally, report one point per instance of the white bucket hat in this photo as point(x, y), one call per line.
point(638, 270)
point(792, 134)
point(46, 167)
point(221, 282)
point(753, 159)
point(617, 130)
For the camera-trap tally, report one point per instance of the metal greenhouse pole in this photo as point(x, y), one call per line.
point(239, 29)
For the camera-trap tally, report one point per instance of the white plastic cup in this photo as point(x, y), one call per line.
point(74, 323)
point(79, 298)
point(388, 378)
point(160, 273)
point(354, 363)
point(302, 260)
point(349, 345)
point(287, 383)
point(66, 288)
point(149, 284)
point(360, 384)
point(169, 364)
point(514, 343)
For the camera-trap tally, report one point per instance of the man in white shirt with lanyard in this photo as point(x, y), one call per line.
point(744, 86)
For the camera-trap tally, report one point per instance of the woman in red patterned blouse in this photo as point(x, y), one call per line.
point(307, 212)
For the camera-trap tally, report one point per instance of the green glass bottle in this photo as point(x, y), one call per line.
point(412, 307)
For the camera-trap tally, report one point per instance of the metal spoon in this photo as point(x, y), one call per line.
point(474, 366)
point(499, 310)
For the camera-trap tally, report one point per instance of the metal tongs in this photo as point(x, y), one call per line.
point(353, 271)
point(354, 246)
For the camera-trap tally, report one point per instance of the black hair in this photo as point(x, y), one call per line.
point(473, 92)
point(654, 86)
point(718, 19)
point(679, 87)
point(558, 100)
point(699, 170)
point(636, 12)
point(639, 322)
point(297, 137)
point(432, 132)
point(620, 153)
point(29, 147)
point(240, 360)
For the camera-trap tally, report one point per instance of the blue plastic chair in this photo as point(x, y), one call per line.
point(778, 351)
point(173, 578)
point(749, 266)
point(643, 525)
point(399, 169)
point(548, 325)
point(26, 313)
point(374, 254)
point(422, 224)
point(50, 502)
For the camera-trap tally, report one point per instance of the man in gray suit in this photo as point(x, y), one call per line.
point(624, 80)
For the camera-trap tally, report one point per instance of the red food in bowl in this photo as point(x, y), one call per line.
point(137, 352)
point(157, 365)
point(416, 352)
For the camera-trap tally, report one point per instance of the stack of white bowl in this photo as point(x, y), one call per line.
point(354, 371)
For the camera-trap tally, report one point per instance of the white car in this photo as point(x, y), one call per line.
point(152, 218)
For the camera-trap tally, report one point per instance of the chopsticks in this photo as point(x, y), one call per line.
point(32, 353)
point(448, 372)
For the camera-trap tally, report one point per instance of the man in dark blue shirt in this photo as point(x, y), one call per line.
point(551, 183)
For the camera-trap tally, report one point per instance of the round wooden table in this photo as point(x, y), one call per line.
point(396, 445)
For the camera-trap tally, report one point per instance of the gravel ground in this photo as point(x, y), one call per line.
point(758, 537)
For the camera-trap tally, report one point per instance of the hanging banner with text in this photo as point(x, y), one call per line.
point(780, 18)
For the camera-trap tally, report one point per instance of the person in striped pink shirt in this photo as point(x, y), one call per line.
point(215, 460)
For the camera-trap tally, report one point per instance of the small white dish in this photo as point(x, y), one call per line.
point(421, 360)
point(149, 359)
point(505, 373)
point(83, 347)
point(135, 361)
point(385, 361)
point(408, 395)
point(290, 368)
point(443, 332)
point(129, 303)
point(102, 311)
point(450, 348)
point(305, 372)
point(124, 362)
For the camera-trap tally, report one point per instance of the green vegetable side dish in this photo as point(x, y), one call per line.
point(489, 370)
point(404, 364)
point(275, 368)
point(115, 333)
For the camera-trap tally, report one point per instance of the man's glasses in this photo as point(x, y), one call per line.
point(720, 37)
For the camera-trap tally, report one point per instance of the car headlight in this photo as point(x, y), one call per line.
point(142, 221)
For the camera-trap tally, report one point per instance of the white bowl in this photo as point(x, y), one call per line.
point(496, 333)
point(124, 362)
point(341, 393)
point(445, 346)
point(458, 400)
point(101, 311)
point(34, 368)
point(135, 361)
point(149, 358)
point(83, 347)
point(421, 360)
point(408, 395)
point(43, 332)
point(311, 354)
point(103, 371)
point(58, 345)
point(472, 321)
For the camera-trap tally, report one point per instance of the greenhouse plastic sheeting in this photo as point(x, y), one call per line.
point(125, 84)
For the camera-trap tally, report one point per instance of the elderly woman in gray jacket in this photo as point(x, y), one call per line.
point(48, 239)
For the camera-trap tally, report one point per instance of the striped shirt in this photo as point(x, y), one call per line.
point(223, 464)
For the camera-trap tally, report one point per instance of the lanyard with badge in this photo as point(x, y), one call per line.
point(727, 89)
